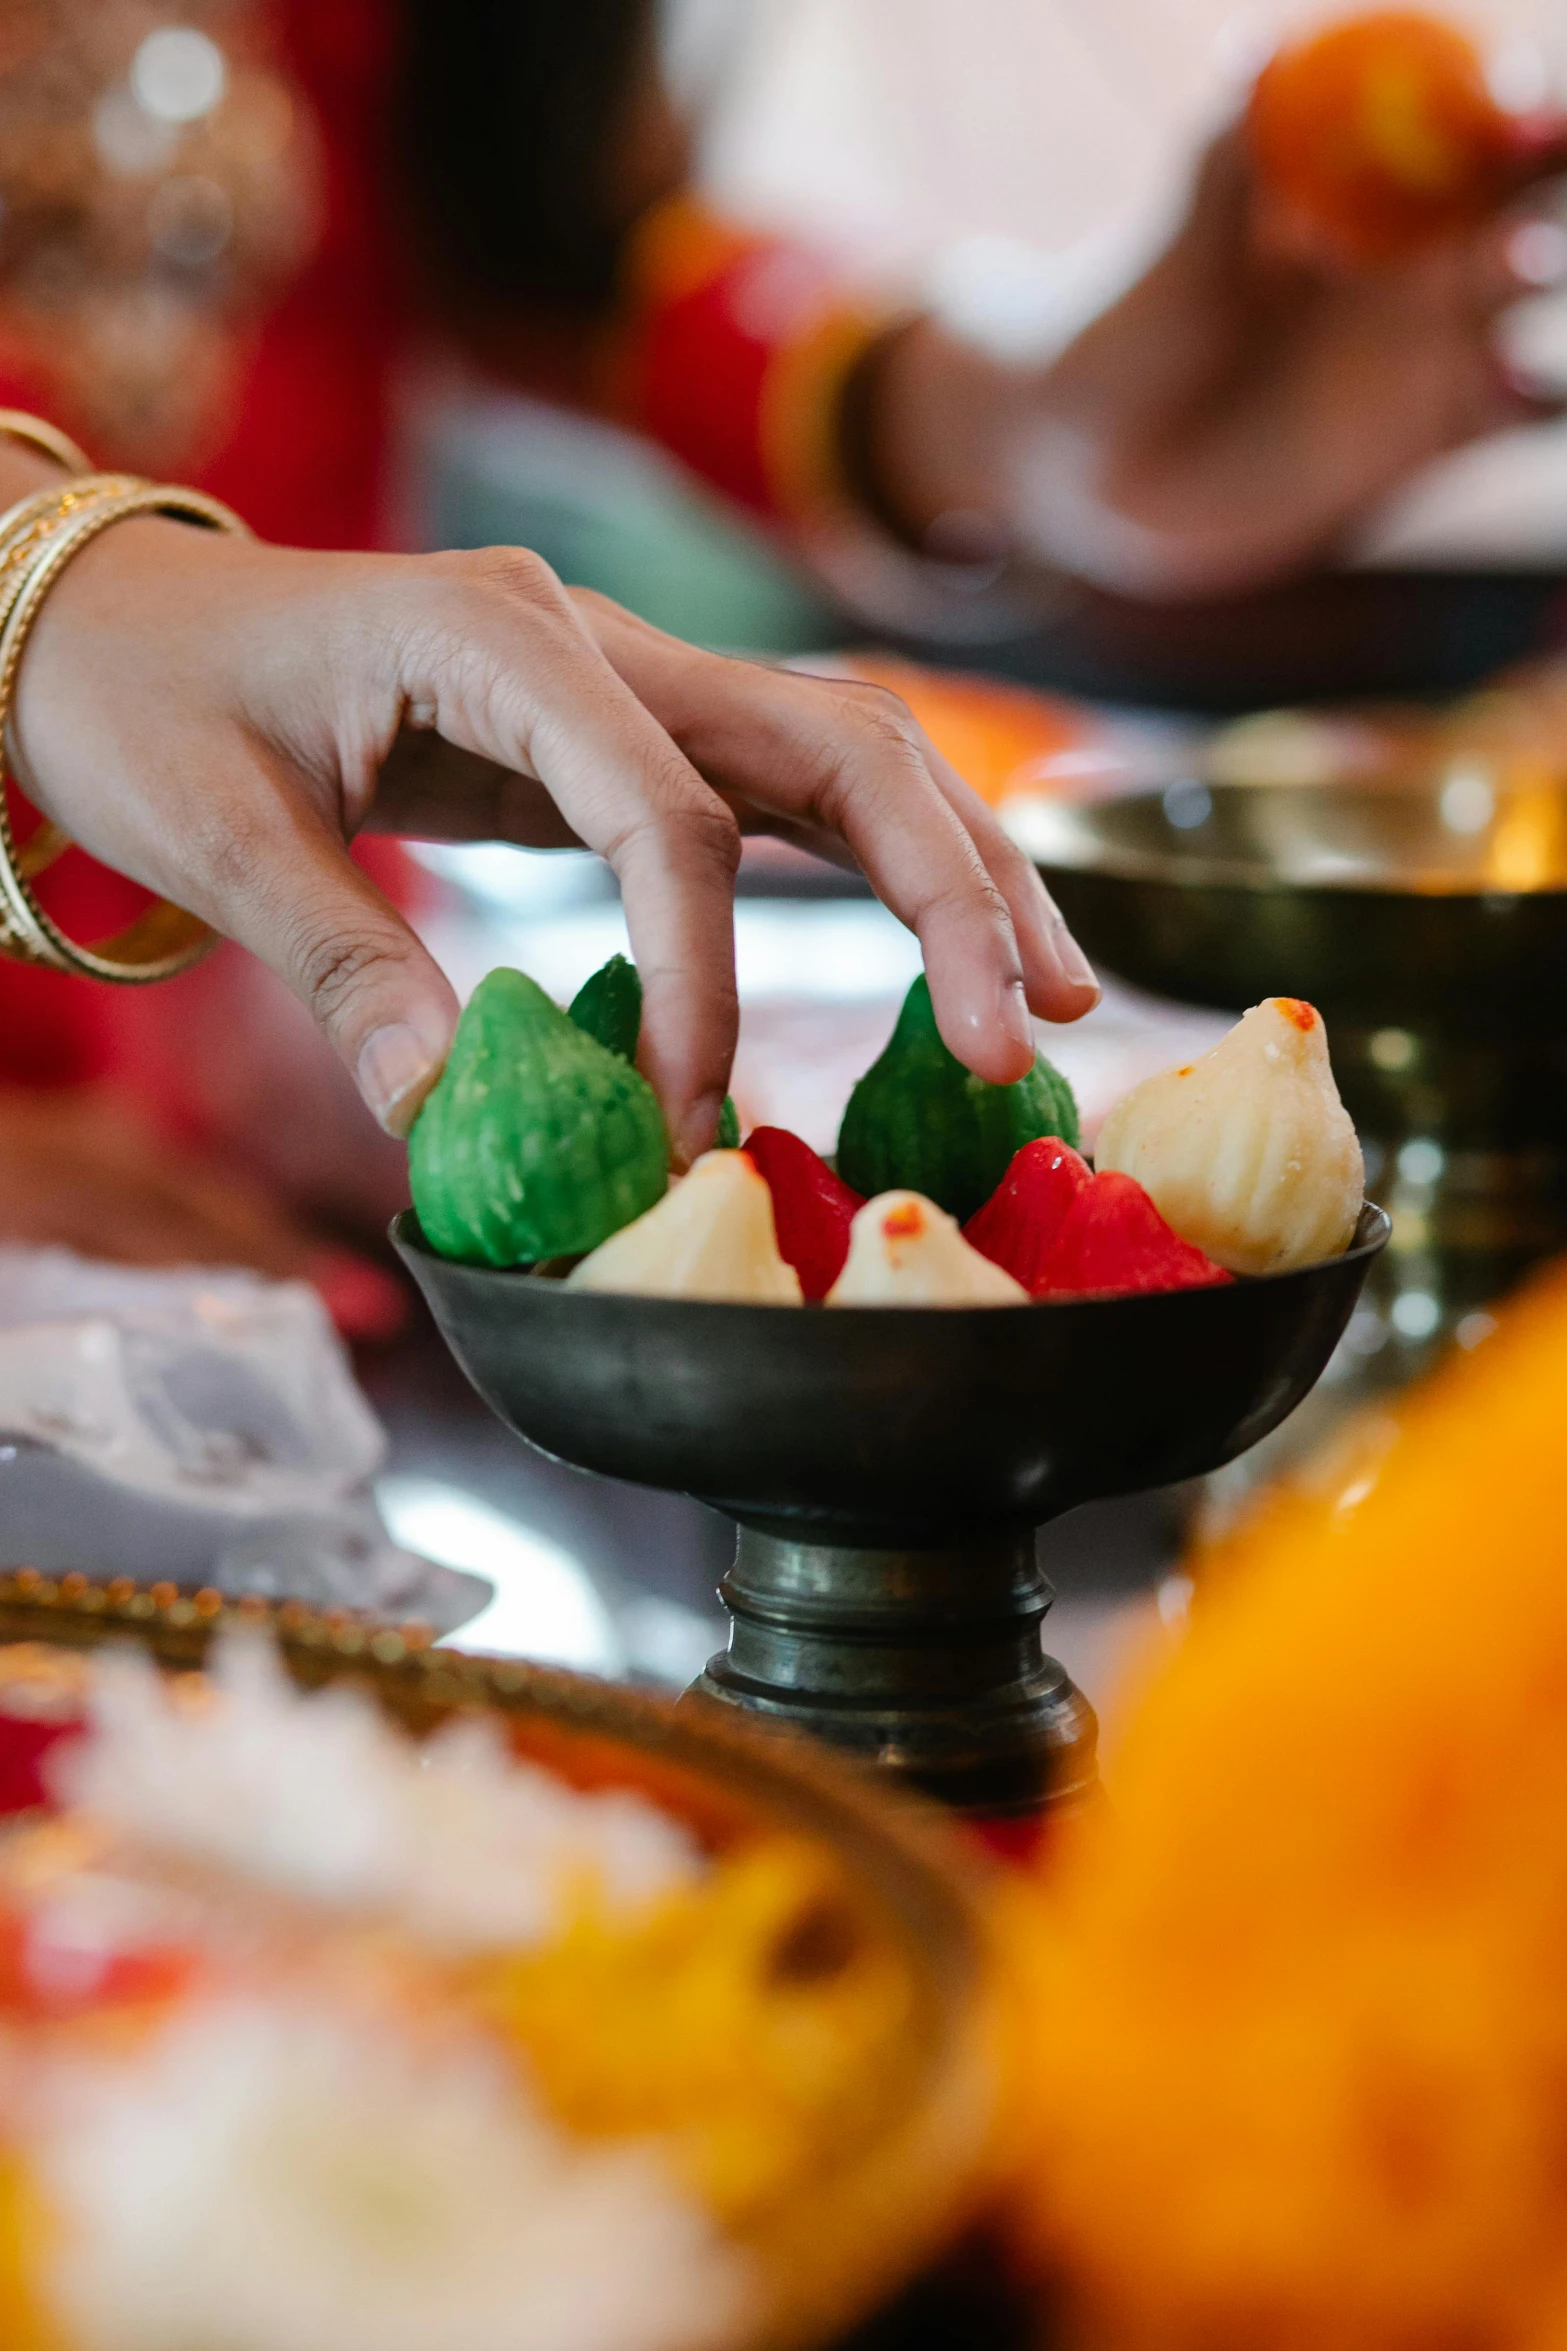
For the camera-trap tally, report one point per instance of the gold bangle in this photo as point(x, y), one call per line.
point(165, 939)
point(46, 438)
point(24, 528)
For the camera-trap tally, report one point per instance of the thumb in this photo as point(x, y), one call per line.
point(377, 994)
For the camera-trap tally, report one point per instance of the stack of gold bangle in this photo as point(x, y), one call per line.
point(38, 537)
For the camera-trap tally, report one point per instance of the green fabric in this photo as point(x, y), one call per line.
point(918, 1121)
point(538, 1141)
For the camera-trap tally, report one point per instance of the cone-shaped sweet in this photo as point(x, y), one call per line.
point(812, 1208)
point(1113, 1238)
point(609, 1006)
point(919, 1121)
point(537, 1141)
point(1017, 1227)
point(711, 1236)
point(1248, 1153)
point(905, 1251)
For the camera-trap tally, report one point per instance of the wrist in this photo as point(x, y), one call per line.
point(922, 422)
point(24, 470)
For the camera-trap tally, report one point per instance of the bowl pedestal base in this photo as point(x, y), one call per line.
point(927, 1662)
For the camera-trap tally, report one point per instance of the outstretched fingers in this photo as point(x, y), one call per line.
point(509, 671)
point(849, 760)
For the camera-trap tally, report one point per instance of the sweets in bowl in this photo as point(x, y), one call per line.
point(904, 1252)
point(711, 1236)
point(1247, 1152)
point(1245, 1162)
point(538, 1141)
point(919, 1121)
point(315, 2038)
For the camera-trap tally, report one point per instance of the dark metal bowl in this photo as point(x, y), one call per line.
point(1363, 898)
point(893, 1425)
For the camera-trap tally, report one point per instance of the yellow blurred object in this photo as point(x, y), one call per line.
point(752, 2021)
point(1511, 733)
point(23, 2231)
point(1297, 2065)
point(1001, 739)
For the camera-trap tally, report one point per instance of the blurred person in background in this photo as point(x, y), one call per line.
point(235, 244)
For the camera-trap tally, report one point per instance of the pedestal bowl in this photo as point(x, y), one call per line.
point(887, 1468)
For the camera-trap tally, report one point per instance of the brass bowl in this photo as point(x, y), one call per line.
point(1441, 905)
point(895, 2201)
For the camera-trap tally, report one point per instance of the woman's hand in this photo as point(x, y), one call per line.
point(215, 718)
point(1233, 415)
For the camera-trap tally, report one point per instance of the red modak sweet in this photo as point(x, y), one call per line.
point(813, 1208)
point(1017, 1227)
point(1113, 1238)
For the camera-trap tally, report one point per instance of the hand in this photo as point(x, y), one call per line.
point(215, 717)
point(1232, 416)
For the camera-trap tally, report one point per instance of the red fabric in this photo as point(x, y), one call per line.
point(305, 459)
point(703, 373)
point(733, 347)
point(24, 1749)
point(304, 462)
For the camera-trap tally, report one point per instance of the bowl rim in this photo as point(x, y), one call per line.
point(837, 2253)
point(1373, 1230)
point(1084, 856)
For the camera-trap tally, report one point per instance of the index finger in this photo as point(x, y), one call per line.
point(511, 673)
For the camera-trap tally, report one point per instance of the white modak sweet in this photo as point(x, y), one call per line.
point(711, 1236)
point(905, 1251)
point(1248, 1153)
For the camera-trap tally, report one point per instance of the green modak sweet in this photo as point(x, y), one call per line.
point(609, 1007)
point(919, 1121)
point(538, 1140)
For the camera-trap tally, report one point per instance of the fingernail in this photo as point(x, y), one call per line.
point(1075, 965)
point(395, 1071)
point(1012, 1005)
point(698, 1131)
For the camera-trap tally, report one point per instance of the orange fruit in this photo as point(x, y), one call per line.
point(1380, 134)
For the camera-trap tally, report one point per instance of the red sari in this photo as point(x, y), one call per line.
point(729, 347)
